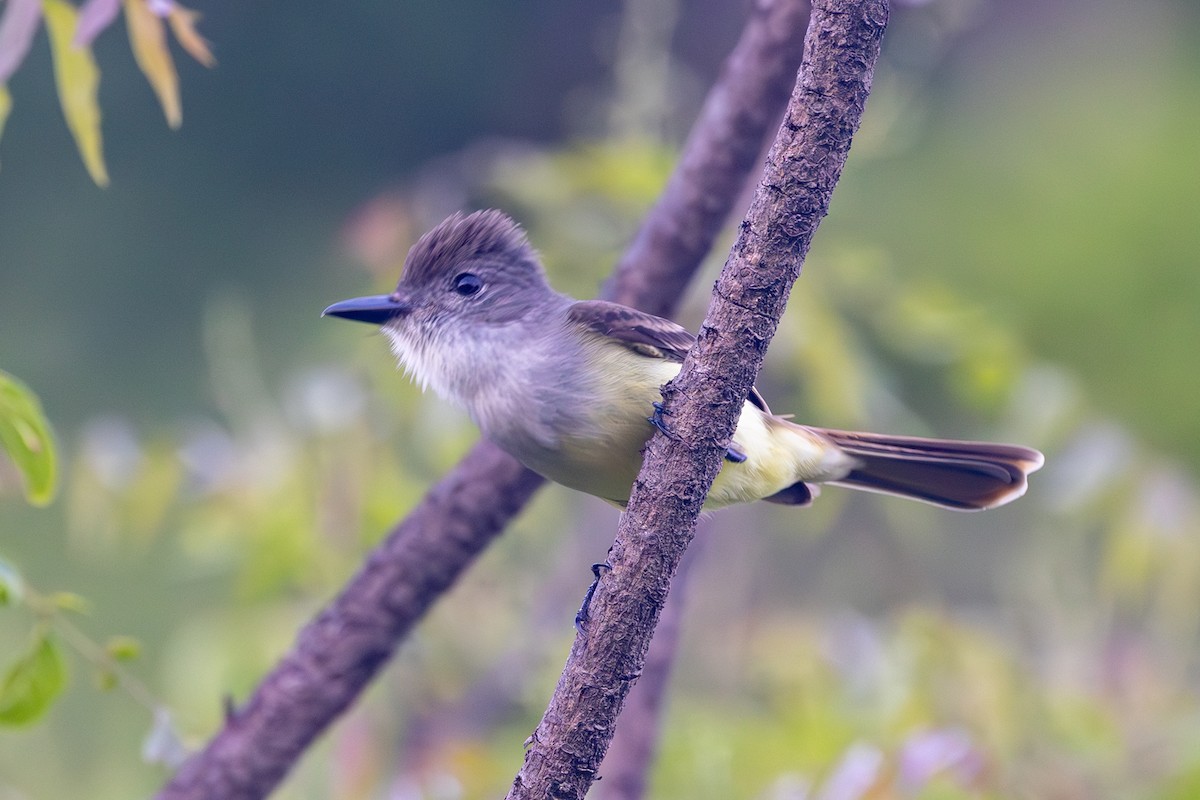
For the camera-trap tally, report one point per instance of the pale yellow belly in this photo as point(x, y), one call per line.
point(603, 455)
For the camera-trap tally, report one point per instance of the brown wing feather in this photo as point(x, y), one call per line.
point(644, 334)
point(632, 328)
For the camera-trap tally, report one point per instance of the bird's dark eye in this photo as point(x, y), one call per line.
point(467, 284)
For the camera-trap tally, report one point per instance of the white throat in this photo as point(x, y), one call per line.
point(457, 367)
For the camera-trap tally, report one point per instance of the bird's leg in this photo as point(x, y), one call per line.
point(581, 616)
point(656, 419)
point(732, 454)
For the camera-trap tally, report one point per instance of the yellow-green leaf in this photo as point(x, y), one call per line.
point(106, 680)
point(25, 436)
point(5, 107)
point(183, 25)
point(69, 601)
point(148, 37)
point(32, 683)
point(78, 78)
point(123, 648)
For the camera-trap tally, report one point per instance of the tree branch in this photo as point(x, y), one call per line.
point(340, 651)
point(626, 766)
point(704, 401)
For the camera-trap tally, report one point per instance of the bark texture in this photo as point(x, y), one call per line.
point(634, 748)
point(338, 653)
point(703, 402)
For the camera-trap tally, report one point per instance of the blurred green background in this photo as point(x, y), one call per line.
point(1011, 255)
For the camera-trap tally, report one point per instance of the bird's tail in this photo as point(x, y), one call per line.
point(968, 476)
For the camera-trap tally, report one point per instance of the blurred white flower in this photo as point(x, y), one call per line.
point(852, 643)
point(324, 400)
point(789, 787)
point(1168, 503)
point(209, 455)
point(1087, 466)
point(110, 449)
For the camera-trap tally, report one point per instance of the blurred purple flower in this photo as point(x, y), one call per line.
point(95, 16)
point(854, 775)
point(18, 24)
point(927, 754)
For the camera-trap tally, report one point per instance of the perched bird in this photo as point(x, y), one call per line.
point(568, 387)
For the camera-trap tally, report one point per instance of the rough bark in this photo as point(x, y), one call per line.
point(626, 767)
point(338, 653)
point(704, 401)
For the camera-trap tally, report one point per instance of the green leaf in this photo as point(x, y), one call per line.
point(107, 680)
point(25, 435)
point(123, 648)
point(69, 601)
point(32, 683)
point(77, 77)
point(5, 107)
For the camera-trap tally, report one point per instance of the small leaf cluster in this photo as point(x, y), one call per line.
point(77, 76)
point(35, 679)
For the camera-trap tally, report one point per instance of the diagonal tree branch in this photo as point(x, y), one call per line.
point(344, 646)
point(704, 401)
point(634, 747)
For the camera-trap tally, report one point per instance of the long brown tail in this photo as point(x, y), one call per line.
point(968, 476)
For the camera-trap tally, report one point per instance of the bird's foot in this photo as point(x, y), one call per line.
point(657, 419)
point(581, 616)
point(732, 454)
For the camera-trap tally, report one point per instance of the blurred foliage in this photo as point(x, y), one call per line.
point(990, 269)
point(32, 682)
point(71, 31)
point(78, 80)
point(25, 438)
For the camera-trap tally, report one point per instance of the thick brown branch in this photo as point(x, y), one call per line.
point(340, 651)
point(705, 400)
point(337, 654)
point(627, 764)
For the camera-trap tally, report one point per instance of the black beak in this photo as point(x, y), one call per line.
point(376, 309)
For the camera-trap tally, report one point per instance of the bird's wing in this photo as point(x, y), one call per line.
point(644, 334)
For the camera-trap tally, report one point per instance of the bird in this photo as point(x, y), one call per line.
point(570, 387)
